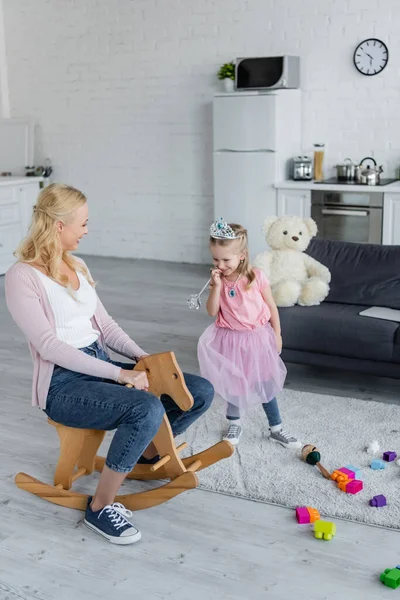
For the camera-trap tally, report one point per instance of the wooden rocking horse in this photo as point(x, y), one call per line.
point(78, 448)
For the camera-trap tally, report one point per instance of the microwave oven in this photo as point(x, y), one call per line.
point(266, 73)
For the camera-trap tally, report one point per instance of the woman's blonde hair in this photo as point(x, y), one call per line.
point(245, 269)
point(55, 203)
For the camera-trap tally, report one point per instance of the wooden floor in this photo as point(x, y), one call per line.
point(201, 545)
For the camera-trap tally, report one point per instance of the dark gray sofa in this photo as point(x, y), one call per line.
point(333, 334)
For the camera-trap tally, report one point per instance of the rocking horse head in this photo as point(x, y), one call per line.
point(166, 377)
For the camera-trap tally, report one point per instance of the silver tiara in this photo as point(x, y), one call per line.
point(220, 230)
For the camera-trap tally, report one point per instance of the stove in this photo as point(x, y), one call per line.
point(335, 181)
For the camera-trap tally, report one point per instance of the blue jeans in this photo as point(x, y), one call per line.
point(87, 402)
point(271, 409)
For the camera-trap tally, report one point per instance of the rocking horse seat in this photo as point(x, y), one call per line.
point(78, 450)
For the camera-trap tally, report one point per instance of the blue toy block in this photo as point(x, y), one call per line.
point(377, 464)
point(356, 470)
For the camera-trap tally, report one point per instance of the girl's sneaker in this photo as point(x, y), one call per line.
point(233, 434)
point(112, 523)
point(285, 439)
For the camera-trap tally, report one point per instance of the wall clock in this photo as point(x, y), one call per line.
point(371, 57)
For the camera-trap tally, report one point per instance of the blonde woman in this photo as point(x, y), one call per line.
point(52, 298)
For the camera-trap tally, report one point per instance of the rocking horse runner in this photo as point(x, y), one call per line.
point(50, 295)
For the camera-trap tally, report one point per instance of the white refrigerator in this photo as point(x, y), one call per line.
point(255, 137)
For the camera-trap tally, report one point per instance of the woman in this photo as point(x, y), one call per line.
point(51, 297)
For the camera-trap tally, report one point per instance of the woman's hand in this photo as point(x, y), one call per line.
point(278, 339)
point(215, 279)
point(138, 379)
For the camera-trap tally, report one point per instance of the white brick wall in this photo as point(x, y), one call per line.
point(122, 93)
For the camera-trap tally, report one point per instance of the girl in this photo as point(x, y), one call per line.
point(52, 298)
point(239, 353)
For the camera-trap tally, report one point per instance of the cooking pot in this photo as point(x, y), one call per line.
point(346, 171)
point(369, 175)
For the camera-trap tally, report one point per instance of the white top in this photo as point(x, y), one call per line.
point(393, 188)
point(72, 314)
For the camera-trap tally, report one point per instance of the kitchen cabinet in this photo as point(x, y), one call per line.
point(17, 198)
point(391, 219)
point(294, 202)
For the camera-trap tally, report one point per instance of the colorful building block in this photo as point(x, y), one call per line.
point(391, 578)
point(339, 476)
point(378, 501)
point(389, 456)
point(307, 514)
point(352, 486)
point(324, 530)
point(356, 470)
point(377, 464)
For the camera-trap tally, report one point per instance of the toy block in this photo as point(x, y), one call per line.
point(340, 476)
point(306, 514)
point(377, 464)
point(324, 530)
point(342, 485)
point(389, 456)
point(391, 578)
point(378, 501)
point(302, 515)
point(355, 486)
point(314, 514)
point(356, 470)
point(350, 474)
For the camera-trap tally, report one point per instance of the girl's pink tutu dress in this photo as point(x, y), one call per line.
point(237, 353)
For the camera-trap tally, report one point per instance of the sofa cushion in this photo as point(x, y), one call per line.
point(365, 274)
point(338, 329)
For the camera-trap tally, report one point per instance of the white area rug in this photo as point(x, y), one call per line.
point(340, 427)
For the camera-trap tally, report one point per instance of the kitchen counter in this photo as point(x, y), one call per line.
point(310, 185)
point(22, 180)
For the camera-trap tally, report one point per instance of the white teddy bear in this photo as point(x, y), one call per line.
point(295, 277)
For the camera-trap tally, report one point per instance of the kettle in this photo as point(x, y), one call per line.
point(368, 175)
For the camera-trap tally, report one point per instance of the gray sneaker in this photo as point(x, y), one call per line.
point(285, 439)
point(233, 434)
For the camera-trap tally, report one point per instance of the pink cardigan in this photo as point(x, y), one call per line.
point(29, 306)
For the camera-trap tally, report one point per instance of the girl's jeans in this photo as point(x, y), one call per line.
point(87, 402)
point(271, 409)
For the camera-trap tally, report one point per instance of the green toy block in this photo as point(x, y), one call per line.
point(325, 530)
point(391, 578)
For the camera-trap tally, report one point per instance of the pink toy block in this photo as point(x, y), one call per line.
point(354, 487)
point(389, 456)
point(350, 474)
point(302, 515)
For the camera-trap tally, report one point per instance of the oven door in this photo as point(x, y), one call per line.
point(350, 224)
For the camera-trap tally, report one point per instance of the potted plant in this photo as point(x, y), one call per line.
point(226, 74)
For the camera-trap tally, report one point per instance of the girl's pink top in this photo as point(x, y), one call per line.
point(30, 308)
point(247, 309)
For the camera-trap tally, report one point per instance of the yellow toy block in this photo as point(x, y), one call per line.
point(324, 530)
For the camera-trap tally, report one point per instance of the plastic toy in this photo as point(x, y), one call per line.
point(306, 514)
point(355, 486)
point(339, 475)
point(391, 578)
point(324, 530)
point(356, 470)
point(378, 464)
point(312, 456)
point(378, 501)
point(351, 486)
point(389, 456)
